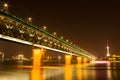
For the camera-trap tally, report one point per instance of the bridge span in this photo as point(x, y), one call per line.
point(18, 30)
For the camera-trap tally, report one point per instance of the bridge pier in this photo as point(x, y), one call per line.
point(79, 59)
point(68, 58)
point(38, 57)
point(85, 60)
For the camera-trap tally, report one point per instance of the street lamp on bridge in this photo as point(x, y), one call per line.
point(30, 19)
point(61, 37)
point(5, 6)
point(67, 40)
point(44, 28)
point(54, 33)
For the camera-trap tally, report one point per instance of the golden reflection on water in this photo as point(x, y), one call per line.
point(79, 72)
point(83, 72)
point(114, 65)
point(68, 72)
point(109, 71)
point(37, 74)
point(114, 70)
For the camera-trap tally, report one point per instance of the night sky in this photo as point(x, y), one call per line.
point(88, 24)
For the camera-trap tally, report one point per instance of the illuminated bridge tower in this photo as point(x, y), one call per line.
point(108, 52)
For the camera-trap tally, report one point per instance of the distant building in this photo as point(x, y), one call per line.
point(108, 52)
point(115, 58)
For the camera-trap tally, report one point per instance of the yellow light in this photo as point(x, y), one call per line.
point(44, 28)
point(29, 18)
point(61, 37)
point(114, 55)
point(114, 59)
point(55, 33)
point(5, 5)
point(67, 40)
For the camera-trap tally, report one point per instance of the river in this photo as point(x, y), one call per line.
point(65, 72)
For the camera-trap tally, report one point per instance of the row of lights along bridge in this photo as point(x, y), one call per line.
point(5, 6)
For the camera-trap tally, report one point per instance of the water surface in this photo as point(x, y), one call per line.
point(66, 72)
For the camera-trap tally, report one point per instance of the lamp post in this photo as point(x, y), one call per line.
point(61, 37)
point(54, 33)
point(30, 19)
point(44, 28)
point(5, 6)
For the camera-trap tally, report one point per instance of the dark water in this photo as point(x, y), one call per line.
point(67, 72)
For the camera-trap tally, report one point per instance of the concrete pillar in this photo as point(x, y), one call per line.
point(79, 59)
point(84, 60)
point(91, 61)
point(68, 59)
point(37, 57)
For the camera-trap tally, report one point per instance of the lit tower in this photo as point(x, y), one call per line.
point(108, 53)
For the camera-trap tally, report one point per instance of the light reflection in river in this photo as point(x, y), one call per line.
point(109, 72)
point(37, 74)
point(14, 75)
point(67, 72)
point(79, 72)
point(83, 72)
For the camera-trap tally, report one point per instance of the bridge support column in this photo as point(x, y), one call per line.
point(84, 60)
point(79, 59)
point(68, 59)
point(37, 57)
point(91, 61)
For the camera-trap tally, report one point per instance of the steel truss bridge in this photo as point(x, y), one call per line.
point(18, 30)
